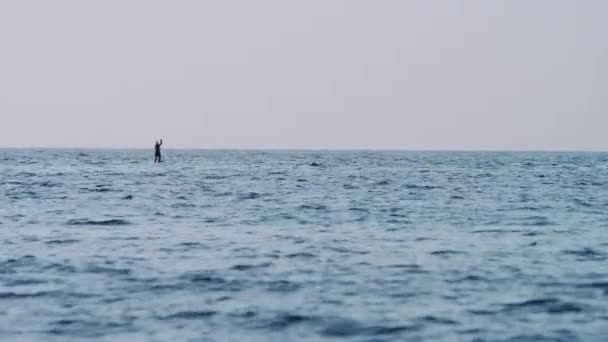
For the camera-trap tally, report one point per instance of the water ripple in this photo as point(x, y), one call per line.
point(303, 246)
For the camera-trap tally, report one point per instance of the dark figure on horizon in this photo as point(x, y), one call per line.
point(157, 157)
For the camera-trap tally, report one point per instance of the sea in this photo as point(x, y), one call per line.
point(105, 245)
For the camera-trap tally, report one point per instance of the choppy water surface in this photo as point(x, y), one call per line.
point(279, 246)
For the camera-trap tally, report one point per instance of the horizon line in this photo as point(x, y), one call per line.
point(336, 149)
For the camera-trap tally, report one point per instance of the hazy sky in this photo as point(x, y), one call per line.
point(468, 74)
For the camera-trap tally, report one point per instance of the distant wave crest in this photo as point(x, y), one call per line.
point(87, 222)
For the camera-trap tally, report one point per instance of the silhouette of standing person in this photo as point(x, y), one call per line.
point(157, 156)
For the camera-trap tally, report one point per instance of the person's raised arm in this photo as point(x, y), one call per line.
point(161, 141)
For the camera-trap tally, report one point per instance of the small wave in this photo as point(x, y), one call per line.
point(205, 278)
point(350, 328)
point(485, 175)
point(493, 231)
point(537, 221)
point(272, 255)
point(420, 239)
point(312, 207)
point(345, 250)
point(421, 187)
point(244, 267)
point(438, 320)
point(403, 266)
point(481, 312)
point(15, 295)
point(9, 265)
point(473, 331)
point(128, 197)
point(244, 314)
point(190, 244)
point(415, 271)
point(13, 183)
point(107, 270)
point(533, 208)
point(565, 308)
point(97, 163)
point(181, 205)
point(61, 268)
point(24, 282)
point(86, 329)
point(468, 279)
point(113, 300)
point(24, 195)
point(111, 222)
point(315, 164)
point(583, 203)
point(595, 285)
point(283, 321)
point(447, 252)
point(61, 242)
point(250, 196)
point(223, 194)
point(407, 268)
point(171, 288)
point(100, 190)
point(300, 255)
point(382, 183)
point(283, 286)
point(586, 253)
point(215, 177)
point(549, 305)
point(47, 184)
point(150, 174)
point(190, 315)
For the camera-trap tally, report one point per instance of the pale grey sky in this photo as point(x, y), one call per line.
point(397, 74)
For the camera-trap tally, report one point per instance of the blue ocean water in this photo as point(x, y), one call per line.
point(303, 246)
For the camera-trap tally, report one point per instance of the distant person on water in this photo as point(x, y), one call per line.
point(157, 157)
